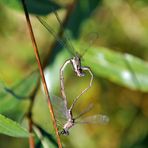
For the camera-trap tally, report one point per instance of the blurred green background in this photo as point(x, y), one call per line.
point(117, 58)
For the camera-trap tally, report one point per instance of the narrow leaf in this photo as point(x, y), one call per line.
point(42, 7)
point(11, 128)
point(123, 69)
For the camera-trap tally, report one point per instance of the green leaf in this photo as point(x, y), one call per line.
point(11, 128)
point(85, 8)
point(123, 69)
point(41, 7)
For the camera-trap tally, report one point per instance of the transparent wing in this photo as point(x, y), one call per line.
point(60, 109)
point(65, 42)
point(65, 35)
point(50, 30)
point(95, 119)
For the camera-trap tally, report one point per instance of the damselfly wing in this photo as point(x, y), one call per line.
point(68, 121)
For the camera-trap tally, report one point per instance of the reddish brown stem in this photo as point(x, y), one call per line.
point(41, 72)
point(31, 138)
point(29, 115)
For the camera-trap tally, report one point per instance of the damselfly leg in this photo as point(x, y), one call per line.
point(79, 70)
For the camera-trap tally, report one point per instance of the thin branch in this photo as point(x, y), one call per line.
point(31, 138)
point(29, 114)
point(41, 72)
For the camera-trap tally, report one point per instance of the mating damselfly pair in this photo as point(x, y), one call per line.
point(60, 105)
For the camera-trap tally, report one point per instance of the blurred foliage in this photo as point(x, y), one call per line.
point(117, 59)
point(85, 8)
point(17, 95)
point(129, 71)
point(15, 4)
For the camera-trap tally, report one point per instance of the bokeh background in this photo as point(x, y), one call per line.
point(118, 58)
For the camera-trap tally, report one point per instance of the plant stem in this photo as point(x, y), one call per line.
point(31, 138)
point(41, 72)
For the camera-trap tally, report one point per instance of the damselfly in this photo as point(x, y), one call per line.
point(65, 115)
point(75, 61)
